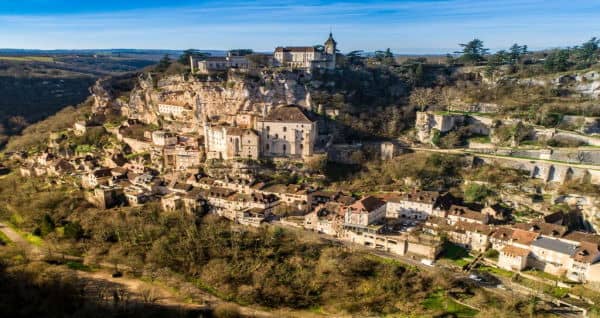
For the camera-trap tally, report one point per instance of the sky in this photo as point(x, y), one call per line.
point(406, 27)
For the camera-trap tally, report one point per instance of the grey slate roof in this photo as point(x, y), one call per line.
point(555, 245)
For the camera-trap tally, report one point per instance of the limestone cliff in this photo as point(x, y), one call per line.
point(216, 98)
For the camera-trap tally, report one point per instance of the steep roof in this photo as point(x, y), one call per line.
point(512, 250)
point(368, 204)
point(583, 237)
point(290, 114)
point(306, 49)
point(467, 213)
point(586, 253)
point(330, 40)
point(543, 228)
point(503, 233)
point(473, 227)
point(524, 237)
point(555, 245)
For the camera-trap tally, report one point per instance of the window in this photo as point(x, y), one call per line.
point(284, 149)
point(284, 129)
point(276, 136)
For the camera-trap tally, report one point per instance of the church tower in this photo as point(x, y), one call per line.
point(330, 50)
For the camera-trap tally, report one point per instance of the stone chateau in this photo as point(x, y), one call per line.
point(294, 57)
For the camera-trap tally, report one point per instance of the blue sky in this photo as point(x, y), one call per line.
point(426, 26)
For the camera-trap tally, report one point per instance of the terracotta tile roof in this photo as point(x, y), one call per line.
point(436, 221)
point(464, 212)
point(474, 227)
point(290, 113)
point(582, 237)
point(421, 196)
point(543, 228)
point(368, 204)
point(586, 253)
point(524, 237)
point(503, 233)
point(286, 189)
point(514, 251)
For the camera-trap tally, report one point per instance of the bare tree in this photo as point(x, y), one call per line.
point(423, 97)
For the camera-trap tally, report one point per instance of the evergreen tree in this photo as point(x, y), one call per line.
point(557, 61)
point(587, 53)
point(164, 63)
point(472, 52)
point(185, 57)
point(419, 75)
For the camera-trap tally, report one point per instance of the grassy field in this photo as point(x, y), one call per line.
point(47, 59)
point(456, 255)
point(496, 271)
point(440, 303)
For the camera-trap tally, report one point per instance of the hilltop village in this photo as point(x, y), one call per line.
point(191, 145)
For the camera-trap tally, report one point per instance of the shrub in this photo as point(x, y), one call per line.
point(477, 193)
point(47, 225)
point(73, 231)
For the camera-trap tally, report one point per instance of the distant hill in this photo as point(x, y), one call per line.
point(35, 84)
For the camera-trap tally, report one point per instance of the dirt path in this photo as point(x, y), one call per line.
point(33, 251)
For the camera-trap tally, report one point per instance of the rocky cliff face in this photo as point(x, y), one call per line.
point(110, 93)
point(586, 84)
point(239, 93)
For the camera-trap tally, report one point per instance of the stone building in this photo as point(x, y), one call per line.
point(417, 205)
point(225, 142)
point(307, 57)
point(288, 131)
point(236, 59)
point(365, 212)
point(181, 157)
point(163, 138)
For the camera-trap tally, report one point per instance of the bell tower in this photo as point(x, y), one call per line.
point(330, 50)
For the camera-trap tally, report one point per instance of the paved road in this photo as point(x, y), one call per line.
point(465, 151)
point(558, 305)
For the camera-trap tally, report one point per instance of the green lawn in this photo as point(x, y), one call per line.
point(496, 271)
point(481, 139)
point(543, 275)
point(439, 302)
point(456, 254)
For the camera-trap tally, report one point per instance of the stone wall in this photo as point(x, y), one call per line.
point(586, 125)
point(545, 171)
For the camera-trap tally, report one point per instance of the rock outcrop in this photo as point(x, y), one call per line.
point(240, 93)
